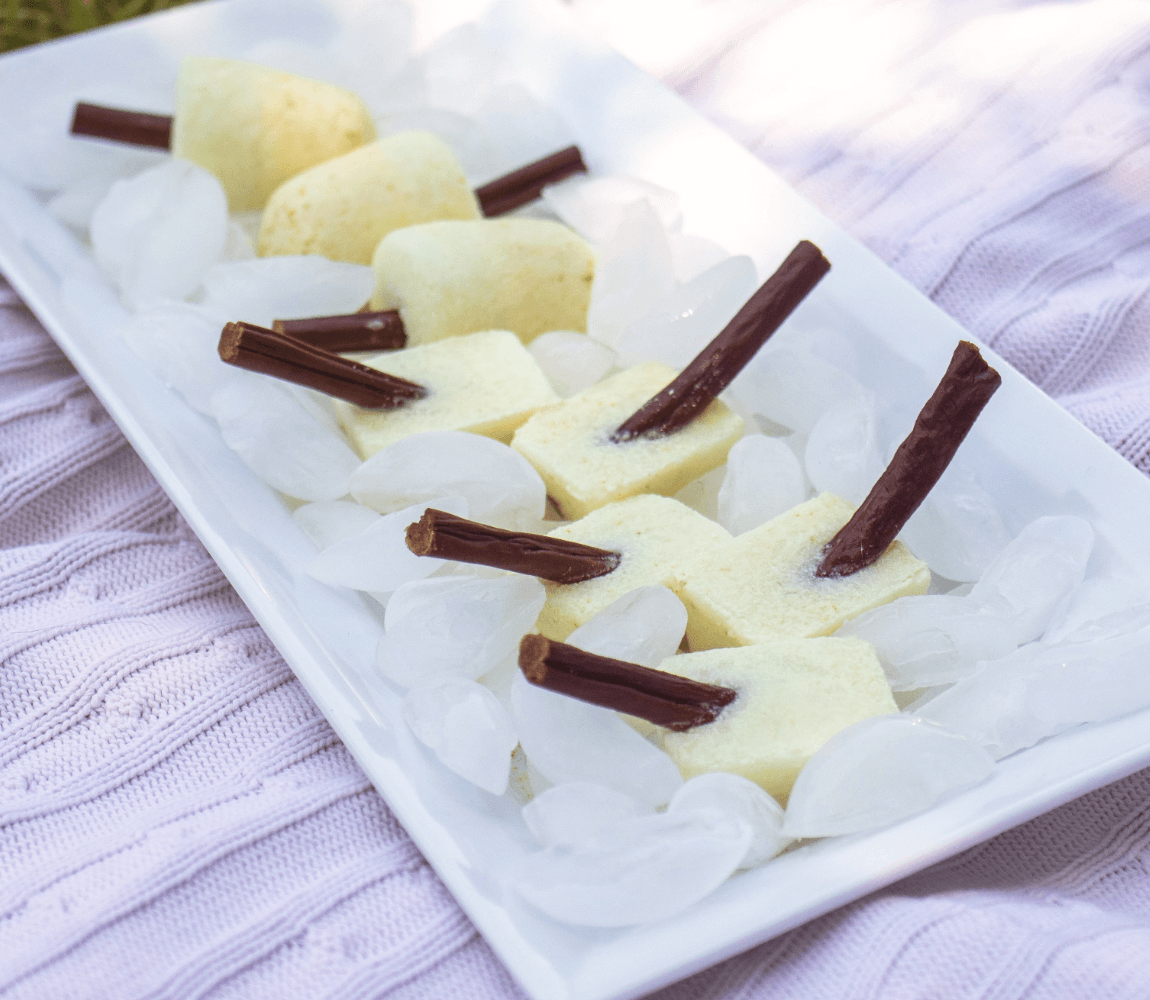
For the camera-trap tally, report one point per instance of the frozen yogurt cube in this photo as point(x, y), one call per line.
point(761, 587)
point(454, 277)
point(342, 208)
point(255, 127)
point(569, 444)
point(794, 695)
point(657, 538)
point(486, 383)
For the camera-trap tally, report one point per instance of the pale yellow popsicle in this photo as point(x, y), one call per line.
point(255, 127)
point(794, 695)
point(569, 447)
point(761, 587)
point(452, 277)
point(486, 383)
point(342, 208)
point(658, 538)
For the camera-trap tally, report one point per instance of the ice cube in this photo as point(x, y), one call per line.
point(371, 52)
point(636, 871)
point(281, 441)
point(1036, 572)
point(595, 207)
point(77, 201)
point(572, 361)
point(156, 234)
point(461, 70)
point(331, 521)
point(521, 128)
point(501, 486)
point(794, 388)
point(260, 291)
point(734, 794)
point(1100, 608)
point(180, 343)
point(694, 254)
point(924, 641)
point(879, 771)
point(577, 811)
point(463, 625)
point(843, 454)
point(633, 272)
point(958, 530)
point(569, 740)
point(238, 246)
point(377, 559)
point(470, 732)
point(1040, 690)
point(680, 325)
point(763, 479)
point(644, 626)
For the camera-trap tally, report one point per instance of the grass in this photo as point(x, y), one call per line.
point(25, 22)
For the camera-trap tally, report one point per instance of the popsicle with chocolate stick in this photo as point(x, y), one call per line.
point(822, 563)
point(251, 126)
point(449, 278)
point(343, 207)
point(650, 430)
point(587, 565)
point(266, 352)
point(758, 711)
point(255, 128)
point(486, 383)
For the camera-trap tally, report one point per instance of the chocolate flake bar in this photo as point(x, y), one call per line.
point(668, 700)
point(921, 459)
point(723, 358)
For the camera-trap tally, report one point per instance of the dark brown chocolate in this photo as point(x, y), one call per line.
point(723, 358)
point(449, 537)
point(269, 353)
point(137, 128)
point(941, 426)
point(525, 184)
point(665, 699)
point(359, 331)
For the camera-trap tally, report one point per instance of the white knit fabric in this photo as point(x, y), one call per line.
point(177, 820)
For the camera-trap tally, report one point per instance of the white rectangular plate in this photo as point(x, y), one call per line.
point(1032, 456)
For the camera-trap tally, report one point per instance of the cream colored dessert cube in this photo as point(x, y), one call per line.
point(255, 127)
point(342, 208)
point(486, 383)
point(569, 447)
point(761, 586)
point(793, 697)
point(449, 278)
point(658, 539)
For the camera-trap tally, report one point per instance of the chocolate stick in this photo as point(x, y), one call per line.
point(941, 426)
point(450, 537)
point(269, 353)
point(665, 699)
point(138, 128)
point(524, 185)
point(361, 331)
point(724, 357)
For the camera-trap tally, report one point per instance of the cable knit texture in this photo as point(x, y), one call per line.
point(176, 818)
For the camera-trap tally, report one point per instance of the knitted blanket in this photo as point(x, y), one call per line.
point(178, 820)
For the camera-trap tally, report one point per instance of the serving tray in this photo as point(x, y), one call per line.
point(1032, 457)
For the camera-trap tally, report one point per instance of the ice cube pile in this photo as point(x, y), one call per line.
point(1017, 640)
